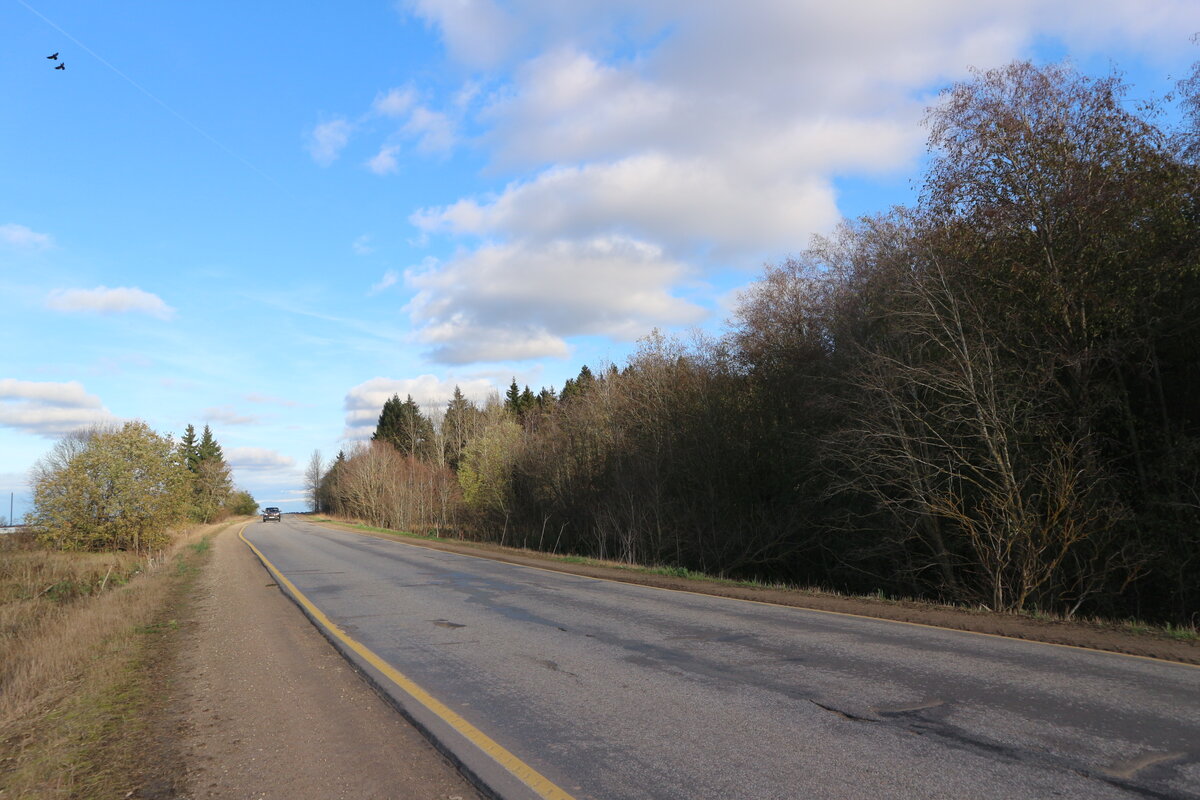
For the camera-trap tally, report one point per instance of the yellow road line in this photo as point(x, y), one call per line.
point(850, 614)
point(522, 771)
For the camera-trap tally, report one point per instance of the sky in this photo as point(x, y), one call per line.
point(268, 218)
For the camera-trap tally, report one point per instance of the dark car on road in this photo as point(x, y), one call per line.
point(271, 513)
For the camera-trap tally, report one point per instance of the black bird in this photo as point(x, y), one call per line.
point(62, 66)
point(55, 56)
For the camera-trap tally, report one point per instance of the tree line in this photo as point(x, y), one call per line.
point(986, 398)
point(128, 487)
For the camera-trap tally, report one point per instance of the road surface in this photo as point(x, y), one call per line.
point(608, 690)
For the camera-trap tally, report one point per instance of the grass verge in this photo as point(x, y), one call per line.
point(82, 670)
point(1174, 643)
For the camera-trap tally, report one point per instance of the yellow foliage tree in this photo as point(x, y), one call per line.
point(122, 489)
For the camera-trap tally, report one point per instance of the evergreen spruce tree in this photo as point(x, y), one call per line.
point(208, 447)
point(527, 403)
point(387, 429)
point(402, 425)
point(512, 399)
point(579, 386)
point(212, 479)
point(189, 448)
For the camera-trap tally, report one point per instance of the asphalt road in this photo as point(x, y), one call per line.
point(618, 691)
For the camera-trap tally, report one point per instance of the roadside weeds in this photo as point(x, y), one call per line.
point(82, 676)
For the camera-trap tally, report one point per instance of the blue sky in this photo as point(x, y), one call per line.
point(269, 217)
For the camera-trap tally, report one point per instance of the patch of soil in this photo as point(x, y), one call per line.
point(1092, 636)
point(259, 704)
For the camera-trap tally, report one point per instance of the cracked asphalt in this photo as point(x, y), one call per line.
point(618, 691)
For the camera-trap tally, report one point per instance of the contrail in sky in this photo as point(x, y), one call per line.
point(151, 95)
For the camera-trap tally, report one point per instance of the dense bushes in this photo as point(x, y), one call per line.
point(121, 489)
point(127, 488)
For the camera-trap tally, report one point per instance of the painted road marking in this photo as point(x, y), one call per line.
point(537, 782)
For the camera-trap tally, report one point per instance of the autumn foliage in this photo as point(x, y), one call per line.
point(988, 398)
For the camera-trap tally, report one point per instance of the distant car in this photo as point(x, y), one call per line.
point(271, 513)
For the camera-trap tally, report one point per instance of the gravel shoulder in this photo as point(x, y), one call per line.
point(1092, 636)
point(263, 707)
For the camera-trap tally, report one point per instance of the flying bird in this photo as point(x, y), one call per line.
point(62, 66)
point(55, 56)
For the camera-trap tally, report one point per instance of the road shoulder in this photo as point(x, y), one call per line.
point(264, 707)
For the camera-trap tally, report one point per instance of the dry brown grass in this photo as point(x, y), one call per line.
point(54, 607)
point(76, 638)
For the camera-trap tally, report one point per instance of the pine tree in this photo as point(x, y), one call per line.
point(189, 449)
point(208, 447)
point(527, 403)
point(512, 399)
point(579, 386)
point(212, 479)
point(402, 425)
point(387, 429)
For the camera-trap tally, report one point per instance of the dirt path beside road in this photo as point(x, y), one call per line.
point(263, 707)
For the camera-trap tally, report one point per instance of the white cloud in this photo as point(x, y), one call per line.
point(24, 238)
point(709, 134)
point(476, 32)
point(226, 415)
point(364, 401)
point(434, 131)
point(395, 103)
point(258, 459)
point(384, 162)
point(519, 300)
point(389, 279)
point(674, 201)
point(327, 140)
point(102, 300)
point(50, 409)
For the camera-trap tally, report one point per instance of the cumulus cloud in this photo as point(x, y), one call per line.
point(24, 238)
point(364, 401)
point(478, 33)
point(226, 415)
point(652, 142)
point(258, 459)
point(50, 409)
point(102, 300)
point(674, 201)
point(519, 300)
point(326, 140)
